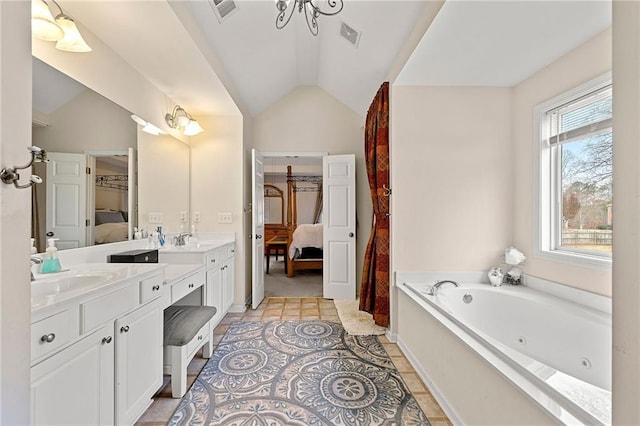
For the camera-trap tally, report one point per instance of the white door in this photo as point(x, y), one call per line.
point(132, 191)
point(66, 199)
point(339, 219)
point(257, 228)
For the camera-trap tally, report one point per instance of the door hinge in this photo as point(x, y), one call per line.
point(87, 222)
point(88, 170)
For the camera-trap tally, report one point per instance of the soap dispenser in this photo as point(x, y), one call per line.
point(51, 262)
point(34, 250)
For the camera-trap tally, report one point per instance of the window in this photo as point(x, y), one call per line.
point(576, 168)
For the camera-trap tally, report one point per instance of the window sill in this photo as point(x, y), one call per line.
point(577, 259)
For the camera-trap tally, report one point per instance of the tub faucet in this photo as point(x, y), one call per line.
point(434, 288)
point(37, 261)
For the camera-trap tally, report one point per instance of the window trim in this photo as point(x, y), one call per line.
point(544, 180)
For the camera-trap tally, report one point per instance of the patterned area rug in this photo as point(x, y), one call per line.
point(298, 373)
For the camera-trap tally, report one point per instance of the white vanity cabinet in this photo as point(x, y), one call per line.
point(138, 345)
point(219, 273)
point(76, 385)
point(96, 358)
point(227, 278)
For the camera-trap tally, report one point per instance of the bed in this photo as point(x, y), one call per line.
point(110, 226)
point(304, 241)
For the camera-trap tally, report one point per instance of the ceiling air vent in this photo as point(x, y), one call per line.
point(223, 8)
point(349, 33)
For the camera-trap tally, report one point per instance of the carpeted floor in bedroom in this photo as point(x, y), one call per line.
point(274, 309)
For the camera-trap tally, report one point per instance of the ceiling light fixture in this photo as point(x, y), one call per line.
point(311, 11)
point(62, 30)
point(181, 119)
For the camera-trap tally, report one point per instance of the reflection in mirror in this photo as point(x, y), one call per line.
point(273, 205)
point(82, 132)
point(163, 183)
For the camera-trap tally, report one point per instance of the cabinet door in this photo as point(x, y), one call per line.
point(228, 283)
point(75, 386)
point(138, 360)
point(213, 293)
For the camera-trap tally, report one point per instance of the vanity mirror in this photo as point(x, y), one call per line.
point(130, 171)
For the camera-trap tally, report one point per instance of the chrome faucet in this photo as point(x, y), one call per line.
point(180, 239)
point(434, 288)
point(35, 260)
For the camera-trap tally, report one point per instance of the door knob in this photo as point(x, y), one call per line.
point(50, 234)
point(258, 236)
point(351, 234)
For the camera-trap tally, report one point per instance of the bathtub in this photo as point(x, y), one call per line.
point(556, 351)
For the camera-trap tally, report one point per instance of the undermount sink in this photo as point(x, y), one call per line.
point(49, 288)
point(73, 282)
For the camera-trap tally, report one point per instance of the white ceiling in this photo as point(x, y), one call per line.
point(182, 48)
point(500, 43)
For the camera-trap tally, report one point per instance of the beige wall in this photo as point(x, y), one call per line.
point(216, 185)
point(310, 120)
point(588, 61)
point(451, 177)
point(89, 122)
point(15, 137)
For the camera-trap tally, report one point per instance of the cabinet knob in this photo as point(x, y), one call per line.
point(48, 338)
point(124, 329)
point(191, 285)
point(155, 288)
point(107, 340)
point(200, 337)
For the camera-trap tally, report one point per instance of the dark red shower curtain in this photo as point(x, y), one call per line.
point(374, 291)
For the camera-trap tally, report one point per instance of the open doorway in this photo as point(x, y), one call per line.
point(293, 225)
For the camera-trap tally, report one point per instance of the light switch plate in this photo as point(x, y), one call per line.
point(196, 217)
point(155, 217)
point(225, 217)
point(183, 217)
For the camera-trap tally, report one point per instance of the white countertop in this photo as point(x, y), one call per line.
point(83, 280)
point(202, 246)
point(175, 272)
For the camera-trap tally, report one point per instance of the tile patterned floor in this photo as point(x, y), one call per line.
point(288, 308)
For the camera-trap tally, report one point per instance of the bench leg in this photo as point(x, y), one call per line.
point(207, 349)
point(178, 371)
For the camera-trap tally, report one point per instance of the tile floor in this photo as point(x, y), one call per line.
point(287, 308)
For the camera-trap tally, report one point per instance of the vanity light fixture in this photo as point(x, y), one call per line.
point(181, 119)
point(148, 127)
point(62, 30)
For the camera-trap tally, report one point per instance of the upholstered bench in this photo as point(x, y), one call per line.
point(186, 330)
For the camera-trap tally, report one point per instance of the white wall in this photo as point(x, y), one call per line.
point(451, 177)
point(15, 137)
point(308, 119)
point(584, 63)
point(163, 181)
point(89, 122)
point(216, 185)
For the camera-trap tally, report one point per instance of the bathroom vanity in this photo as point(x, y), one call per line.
point(97, 329)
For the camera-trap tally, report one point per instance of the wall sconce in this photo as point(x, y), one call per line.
point(181, 119)
point(9, 175)
point(62, 30)
point(148, 127)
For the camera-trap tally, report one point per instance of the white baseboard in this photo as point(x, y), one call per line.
point(392, 337)
point(439, 396)
point(237, 309)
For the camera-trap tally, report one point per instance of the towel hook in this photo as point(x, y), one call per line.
point(387, 190)
point(10, 175)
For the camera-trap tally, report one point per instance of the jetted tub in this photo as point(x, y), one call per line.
point(560, 349)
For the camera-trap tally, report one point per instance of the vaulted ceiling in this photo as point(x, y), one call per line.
point(244, 63)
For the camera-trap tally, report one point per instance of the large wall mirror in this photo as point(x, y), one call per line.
point(82, 130)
